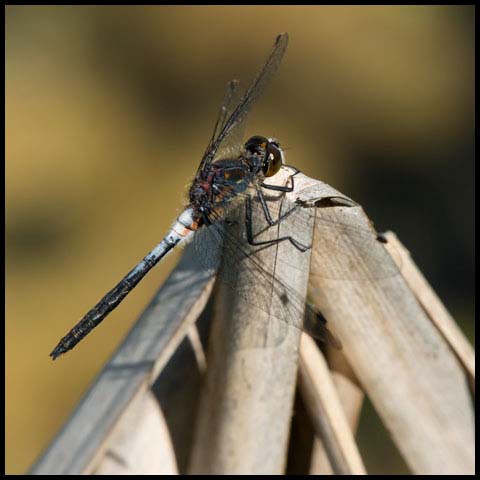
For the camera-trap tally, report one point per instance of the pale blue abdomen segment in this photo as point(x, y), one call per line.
point(114, 297)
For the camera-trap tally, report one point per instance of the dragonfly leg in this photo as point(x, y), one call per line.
point(266, 211)
point(280, 188)
point(249, 228)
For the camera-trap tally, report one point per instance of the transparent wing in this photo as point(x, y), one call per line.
point(231, 146)
point(260, 286)
point(229, 140)
point(230, 101)
point(357, 257)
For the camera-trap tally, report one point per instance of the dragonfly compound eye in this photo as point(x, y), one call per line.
point(273, 159)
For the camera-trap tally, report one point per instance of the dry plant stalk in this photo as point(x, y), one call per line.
point(325, 409)
point(402, 362)
point(96, 425)
point(351, 398)
point(433, 306)
point(140, 443)
point(244, 414)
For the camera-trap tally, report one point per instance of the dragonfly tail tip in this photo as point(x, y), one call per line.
point(57, 351)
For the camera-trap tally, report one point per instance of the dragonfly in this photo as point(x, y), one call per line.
point(229, 170)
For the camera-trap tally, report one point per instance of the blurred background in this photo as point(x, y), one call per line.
point(109, 109)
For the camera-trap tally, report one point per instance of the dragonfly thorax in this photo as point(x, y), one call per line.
point(220, 182)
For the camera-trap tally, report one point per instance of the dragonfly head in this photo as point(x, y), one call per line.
point(268, 153)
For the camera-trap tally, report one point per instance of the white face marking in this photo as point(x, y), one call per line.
point(282, 155)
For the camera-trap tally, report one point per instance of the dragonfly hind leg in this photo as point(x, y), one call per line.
point(249, 225)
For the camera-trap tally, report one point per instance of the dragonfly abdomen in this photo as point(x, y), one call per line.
point(183, 227)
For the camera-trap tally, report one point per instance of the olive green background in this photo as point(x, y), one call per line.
point(109, 109)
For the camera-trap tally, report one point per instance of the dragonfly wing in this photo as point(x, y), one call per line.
point(257, 280)
point(260, 285)
point(229, 102)
point(257, 87)
point(231, 122)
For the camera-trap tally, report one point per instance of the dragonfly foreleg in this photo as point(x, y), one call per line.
point(249, 227)
point(280, 188)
